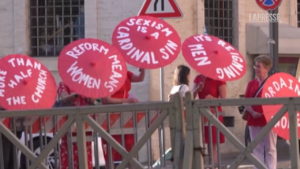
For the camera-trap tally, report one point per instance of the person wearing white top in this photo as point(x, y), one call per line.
point(181, 81)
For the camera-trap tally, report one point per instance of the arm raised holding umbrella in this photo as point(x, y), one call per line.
point(122, 95)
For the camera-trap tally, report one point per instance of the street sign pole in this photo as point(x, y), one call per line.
point(272, 7)
point(161, 9)
point(273, 34)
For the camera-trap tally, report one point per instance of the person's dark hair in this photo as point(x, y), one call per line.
point(181, 75)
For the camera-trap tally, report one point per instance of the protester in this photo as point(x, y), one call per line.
point(8, 149)
point(120, 97)
point(65, 94)
point(207, 88)
point(181, 80)
point(265, 151)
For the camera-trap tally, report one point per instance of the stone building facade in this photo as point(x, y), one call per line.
point(101, 16)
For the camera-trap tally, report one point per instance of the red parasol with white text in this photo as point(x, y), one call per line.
point(92, 68)
point(25, 83)
point(146, 42)
point(214, 57)
point(280, 85)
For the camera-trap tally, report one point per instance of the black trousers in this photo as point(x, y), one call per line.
point(8, 152)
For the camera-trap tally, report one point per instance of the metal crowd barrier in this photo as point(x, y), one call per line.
point(42, 130)
point(158, 127)
point(194, 150)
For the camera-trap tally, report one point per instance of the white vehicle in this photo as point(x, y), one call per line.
point(51, 158)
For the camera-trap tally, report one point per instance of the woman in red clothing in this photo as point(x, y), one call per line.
point(207, 88)
point(265, 151)
point(65, 94)
point(120, 97)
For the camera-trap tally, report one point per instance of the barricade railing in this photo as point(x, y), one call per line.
point(196, 110)
point(141, 120)
point(186, 137)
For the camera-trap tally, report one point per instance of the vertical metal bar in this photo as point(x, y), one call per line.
point(15, 150)
point(26, 144)
point(122, 131)
point(199, 142)
point(45, 138)
point(210, 144)
point(293, 129)
point(63, 22)
point(218, 140)
point(203, 129)
point(147, 124)
point(1, 152)
point(162, 157)
point(54, 118)
point(38, 27)
point(273, 35)
point(135, 128)
point(162, 98)
point(109, 148)
point(70, 148)
point(46, 25)
point(81, 142)
point(96, 145)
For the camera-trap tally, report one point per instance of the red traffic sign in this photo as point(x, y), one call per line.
point(161, 9)
point(268, 4)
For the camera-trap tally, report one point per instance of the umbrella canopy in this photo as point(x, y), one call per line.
point(92, 68)
point(280, 85)
point(214, 57)
point(146, 42)
point(25, 83)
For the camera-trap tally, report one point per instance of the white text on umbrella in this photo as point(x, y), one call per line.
point(76, 72)
point(232, 70)
point(143, 24)
point(235, 67)
point(115, 75)
point(22, 62)
point(81, 48)
point(284, 123)
point(2, 82)
point(278, 85)
point(200, 55)
point(197, 50)
point(144, 56)
point(16, 100)
point(19, 78)
point(40, 88)
point(79, 76)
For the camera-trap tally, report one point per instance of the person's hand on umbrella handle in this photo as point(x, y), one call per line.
point(209, 97)
point(141, 69)
point(199, 87)
point(256, 115)
point(132, 100)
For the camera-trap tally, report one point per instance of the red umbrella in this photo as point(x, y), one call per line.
point(92, 68)
point(214, 57)
point(146, 42)
point(280, 85)
point(25, 83)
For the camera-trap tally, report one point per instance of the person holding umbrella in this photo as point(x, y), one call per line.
point(120, 97)
point(66, 95)
point(266, 150)
point(207, 88)
point(90, 68)
point(217, 62)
